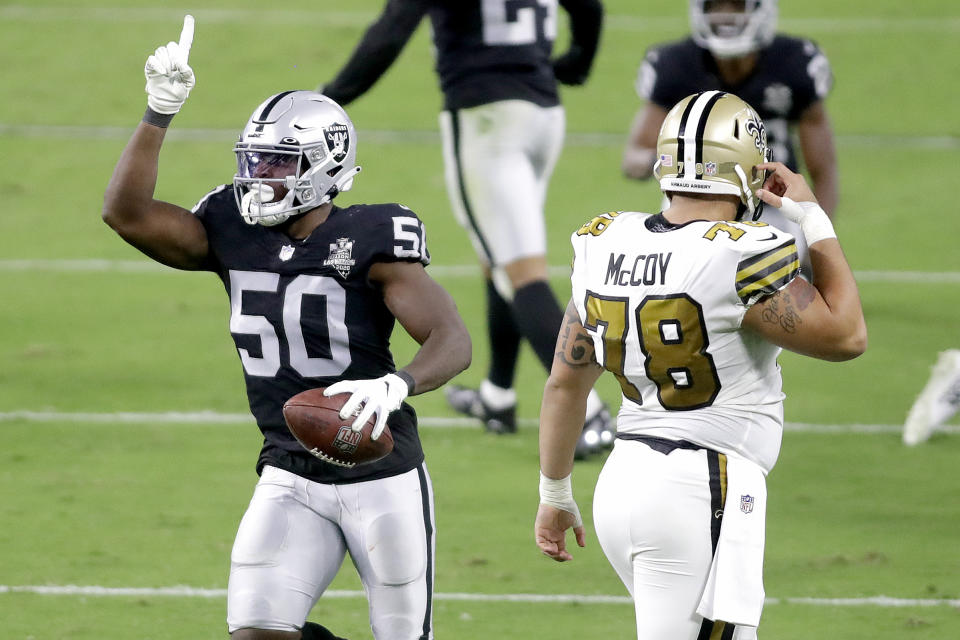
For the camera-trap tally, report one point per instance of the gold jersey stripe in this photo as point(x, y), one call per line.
point(758, 264)
point(773, 282)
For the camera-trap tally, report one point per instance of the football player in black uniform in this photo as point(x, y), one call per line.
point(314, 290)
point(733, 47)
point(502, 126)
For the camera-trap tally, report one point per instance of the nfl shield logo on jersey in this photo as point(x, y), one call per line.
point(746, 503)
point(778, 98)
point(286, 252)
point(341, 256)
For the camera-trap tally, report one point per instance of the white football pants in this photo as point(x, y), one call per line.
point(654, 516)
point(294, 537)
point(498, 159)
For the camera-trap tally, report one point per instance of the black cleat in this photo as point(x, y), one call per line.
point(469, 402)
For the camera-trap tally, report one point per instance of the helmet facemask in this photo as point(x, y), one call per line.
point(729, 28)
point(296, 153)
point(710, 143)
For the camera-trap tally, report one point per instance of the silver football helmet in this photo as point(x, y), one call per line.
point(711, 142)
point(297, 152)
point(732, 28)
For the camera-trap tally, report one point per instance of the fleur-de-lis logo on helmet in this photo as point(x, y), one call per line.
point(756, 129)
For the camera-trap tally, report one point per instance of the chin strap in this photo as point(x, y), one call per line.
point(749, 206)
point(255, 206)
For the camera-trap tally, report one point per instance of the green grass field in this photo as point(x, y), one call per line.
point(105, 487)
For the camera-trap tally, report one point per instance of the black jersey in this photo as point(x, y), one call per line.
point(486, 50)
point(791, 75)
point(489, 51)
point(303, 314)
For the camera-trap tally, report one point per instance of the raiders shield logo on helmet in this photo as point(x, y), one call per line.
point(338, 140)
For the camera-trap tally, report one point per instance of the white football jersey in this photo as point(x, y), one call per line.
point(664, 304)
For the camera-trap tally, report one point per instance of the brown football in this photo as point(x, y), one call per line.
point(314, 420)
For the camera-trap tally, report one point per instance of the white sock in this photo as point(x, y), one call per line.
point(497, 398)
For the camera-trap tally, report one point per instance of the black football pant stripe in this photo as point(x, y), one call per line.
point(462, 188)
point(711, 630)
point(717, 467)
point(428, 527)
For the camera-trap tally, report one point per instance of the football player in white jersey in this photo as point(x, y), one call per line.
point(689, 309)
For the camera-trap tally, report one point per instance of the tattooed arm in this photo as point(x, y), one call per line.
point(824, 319)
point(574, 372)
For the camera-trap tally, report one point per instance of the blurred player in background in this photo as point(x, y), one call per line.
point(689, 309)
point(502, 126)
point(938, 401)
point(315, 290)
point(734, 47)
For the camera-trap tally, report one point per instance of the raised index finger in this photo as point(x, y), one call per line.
point(186, 35)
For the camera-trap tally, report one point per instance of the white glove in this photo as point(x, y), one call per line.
point(559, 495)
point(381, 396)
point(169, 77)
point(813, 220)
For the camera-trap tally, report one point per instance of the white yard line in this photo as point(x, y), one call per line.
point(529, 598)
point(96, 265)
point(387, 136)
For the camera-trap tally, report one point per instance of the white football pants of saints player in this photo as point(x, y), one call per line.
point(294, 537)
point(654, 514)
point(498, 159)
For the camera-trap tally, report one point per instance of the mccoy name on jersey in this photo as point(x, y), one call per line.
point(303, 314)
point(791, 74)
point(672, 337)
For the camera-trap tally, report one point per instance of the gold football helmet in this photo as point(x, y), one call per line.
point(711, 142)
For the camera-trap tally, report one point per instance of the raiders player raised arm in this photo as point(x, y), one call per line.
point(689, 309)
point(315, 290)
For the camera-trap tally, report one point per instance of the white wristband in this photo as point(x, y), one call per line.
point(559, 495)
point(817, 226)
point(814, 221)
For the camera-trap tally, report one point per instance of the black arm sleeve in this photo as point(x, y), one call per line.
point(377, 50)
point(586, 19)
